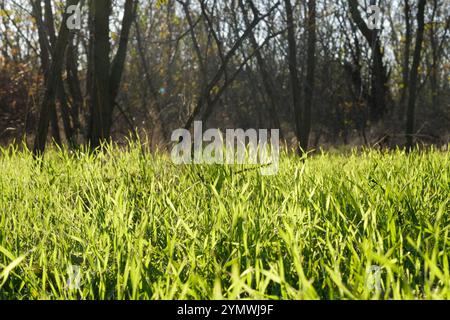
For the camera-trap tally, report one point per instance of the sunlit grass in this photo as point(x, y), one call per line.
point(140, 227)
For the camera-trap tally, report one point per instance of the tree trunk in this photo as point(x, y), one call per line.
point(414, 75)
point(74, 88)
point(60, 91)
point(51, 84)
point(293, 72)
point(434, 78)
point(106, 76)
point(310, 76)
point(406, 58)
point(379, 90)
point(45, 62)
point(101, 112)
point(119, 60)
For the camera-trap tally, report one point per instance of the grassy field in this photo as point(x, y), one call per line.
point(365, 225)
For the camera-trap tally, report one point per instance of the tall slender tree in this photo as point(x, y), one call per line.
point(310, 75)
point(101, 111)
point(52, 82)
point(410, 117)
point(293, 70)
point(106, 76)
point(379, 74)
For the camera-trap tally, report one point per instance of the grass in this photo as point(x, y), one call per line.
point(140, 227)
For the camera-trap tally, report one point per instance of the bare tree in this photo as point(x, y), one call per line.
point(379, 89)
point(52, 83)
point(305, 130)
point(410, 119)
point(293, 71)
point(106, 76)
